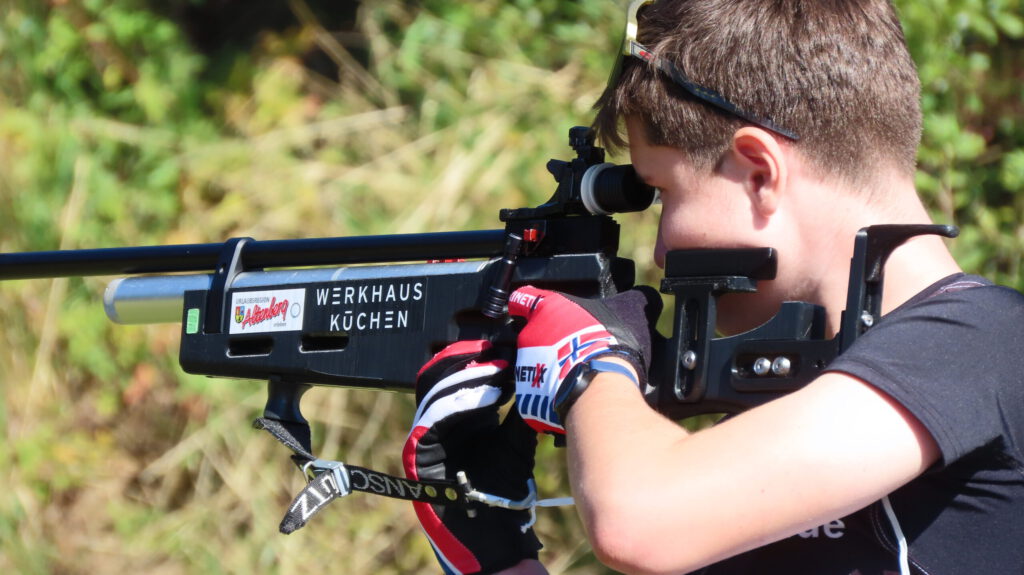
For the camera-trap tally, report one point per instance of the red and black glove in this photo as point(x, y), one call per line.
point(563, 332)
point(456, 428)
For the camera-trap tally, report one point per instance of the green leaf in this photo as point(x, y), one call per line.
point(1011, 172)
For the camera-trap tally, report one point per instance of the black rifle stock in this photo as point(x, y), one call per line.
point(297, 313)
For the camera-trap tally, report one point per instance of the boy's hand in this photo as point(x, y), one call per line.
point(456, 428)
point(564, 331)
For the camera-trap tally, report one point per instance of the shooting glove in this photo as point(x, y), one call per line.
point(456, 428)
point(563, 332)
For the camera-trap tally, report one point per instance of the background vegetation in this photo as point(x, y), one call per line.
point(128, 122)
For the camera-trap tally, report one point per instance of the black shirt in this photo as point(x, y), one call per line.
point(954, 357)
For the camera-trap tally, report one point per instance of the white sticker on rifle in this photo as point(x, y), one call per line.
point(264, 311)
point(369, 306)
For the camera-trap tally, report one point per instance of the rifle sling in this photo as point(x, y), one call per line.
point(330, 480)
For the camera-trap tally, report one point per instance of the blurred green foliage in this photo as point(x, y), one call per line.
point(969, 55)
point(128, 122)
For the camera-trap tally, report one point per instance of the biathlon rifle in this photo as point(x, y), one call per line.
point(298, 313)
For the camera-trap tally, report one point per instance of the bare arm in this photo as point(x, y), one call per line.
point(657, 499)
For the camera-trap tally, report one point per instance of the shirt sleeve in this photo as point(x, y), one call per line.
point(956, 362)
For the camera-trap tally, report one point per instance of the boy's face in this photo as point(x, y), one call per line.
point(709, 209)
point(699, 210)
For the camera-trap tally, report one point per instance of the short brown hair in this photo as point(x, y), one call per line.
point(836, 72)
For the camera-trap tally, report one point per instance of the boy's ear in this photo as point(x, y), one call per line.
point(762, 164)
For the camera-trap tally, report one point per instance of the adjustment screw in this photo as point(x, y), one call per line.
point(762, 366)
point(867, 319)
point(781, 366)
point(689, 359)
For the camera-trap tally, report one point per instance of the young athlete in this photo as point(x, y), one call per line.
point(790, 124)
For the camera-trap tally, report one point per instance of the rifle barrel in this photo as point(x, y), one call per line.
point(255, 254)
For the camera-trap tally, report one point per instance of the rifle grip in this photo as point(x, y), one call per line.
point(283, 406)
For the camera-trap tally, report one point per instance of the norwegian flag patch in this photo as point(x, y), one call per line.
point(581, 346)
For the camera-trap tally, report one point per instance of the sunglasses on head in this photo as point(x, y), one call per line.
point(630, 47)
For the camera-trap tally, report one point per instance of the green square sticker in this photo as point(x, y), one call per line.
point(192, 321)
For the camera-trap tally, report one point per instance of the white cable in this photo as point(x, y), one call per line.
point(552, 502)
point(555, 502)
point(901, 541)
